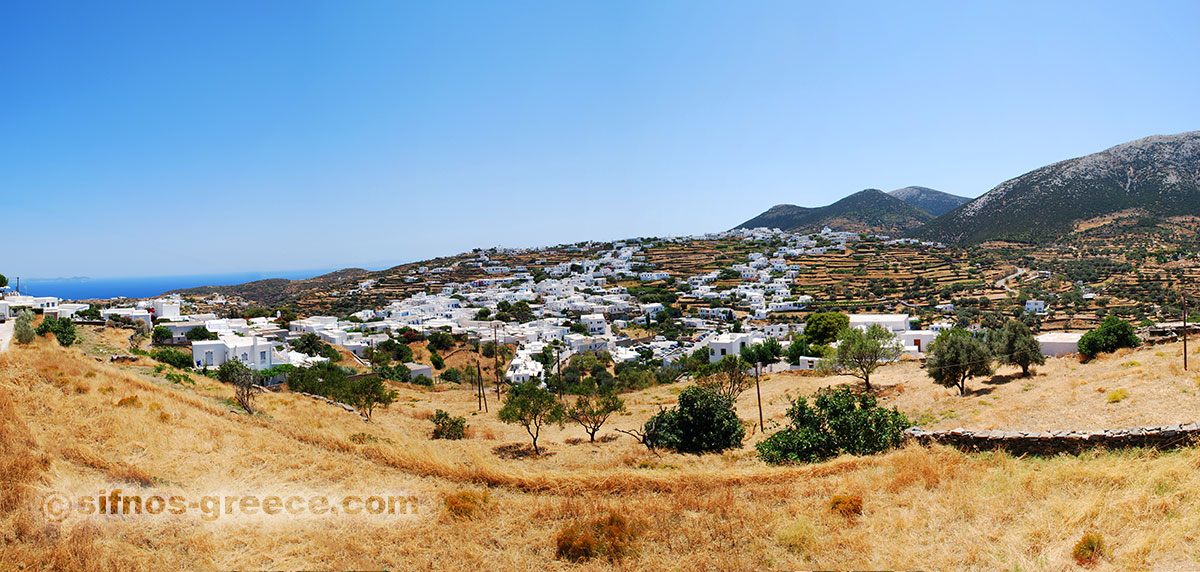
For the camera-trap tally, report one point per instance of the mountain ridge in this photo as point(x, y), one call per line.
point(869, 210)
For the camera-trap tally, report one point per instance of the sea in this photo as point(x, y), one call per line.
point(83, 288)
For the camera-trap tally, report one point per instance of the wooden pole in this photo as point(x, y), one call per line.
point(1185, 332)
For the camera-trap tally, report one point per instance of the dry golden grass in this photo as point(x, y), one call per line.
point(922, 508)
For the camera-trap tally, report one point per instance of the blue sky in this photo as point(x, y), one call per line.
point(164, 138)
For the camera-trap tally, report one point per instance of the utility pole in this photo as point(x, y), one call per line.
point(496, 356)
point(1185, 331)
point(558, 362)
point(482, 394)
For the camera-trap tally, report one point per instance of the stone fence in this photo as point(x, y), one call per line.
point(348, 408)
point(1052, 442)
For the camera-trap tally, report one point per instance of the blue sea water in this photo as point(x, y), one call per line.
point(144, 287)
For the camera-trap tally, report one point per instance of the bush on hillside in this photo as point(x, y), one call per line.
point(62, 328)
point(23, 331)
point(838, 422)
point(172, 357)
point(447, 427)
point(611, 536)
point(703, 422)
point(1112, 335)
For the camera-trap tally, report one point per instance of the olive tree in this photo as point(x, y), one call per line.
point(592, 411)
point(532, 407)
point(956, 356)
point(1014, 344)
point(860, 352)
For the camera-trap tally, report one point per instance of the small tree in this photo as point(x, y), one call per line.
point(822, 328)
point(1014, 344)
point(799, 349)
point(726, 378)
point(23, 328)
point(861, 352)
point(532, 407)
point(592, 411)
point(956, 356)
point(703, 422)
point(3, 281)
point(236, 373)
point(760, 355)
point(446, 426)
point(367, 392)
point(160, 335)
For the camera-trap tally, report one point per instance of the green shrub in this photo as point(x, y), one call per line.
point(423, 380)
point(1089, 549)
point(838, 422)
point(1117, 396)
point(172, 357)
point(23, 328)
point(452, 375)
point(702, 422)
point(437, 361)
point(611, 536)
point(447, 427)
point(62, 328)
point(1113, 334)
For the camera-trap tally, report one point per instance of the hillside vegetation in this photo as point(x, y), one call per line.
point(70, 423)
point(869, 211)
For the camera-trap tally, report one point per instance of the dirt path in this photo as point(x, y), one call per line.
point(6, 332)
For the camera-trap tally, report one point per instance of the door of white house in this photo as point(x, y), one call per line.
point(208, 358)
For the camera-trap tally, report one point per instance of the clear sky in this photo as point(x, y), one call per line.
point(194, 137)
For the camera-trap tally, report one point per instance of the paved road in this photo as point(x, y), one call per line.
point(6, 332)
point(1000, 282)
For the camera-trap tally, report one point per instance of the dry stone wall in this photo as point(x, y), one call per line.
point(1052, 442)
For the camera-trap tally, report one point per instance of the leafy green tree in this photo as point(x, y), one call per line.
point(1014, 344)
point(799, 349)
point(160, 335)
point(201, 334)
point(861, 352)
point(440, 342)
point(23, 330)
point(1113, 334)
point(532, 407)
point(823, 328)
point(838, 422)
point(367, 392)
point(521, 312)
point(761, 355)
point(483, 314)
point(3, 281)
point(702, 422)
point(62, 328)
point(592, 411)
point(89, 314)
point(956, 356)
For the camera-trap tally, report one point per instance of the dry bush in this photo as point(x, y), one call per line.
point(798, 536)
point(129, 401)
point(1089, 549)
point(466, 504)
point(848, 506)
point(1117, 396)
point(611, 536)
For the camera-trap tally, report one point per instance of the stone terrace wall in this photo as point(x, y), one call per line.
point(1052, 442)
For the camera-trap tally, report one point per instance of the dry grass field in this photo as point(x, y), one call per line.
point(69, 423)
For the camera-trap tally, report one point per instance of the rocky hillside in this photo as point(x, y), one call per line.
point(871, 210)
point(932, 201)
point(1157, 175)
